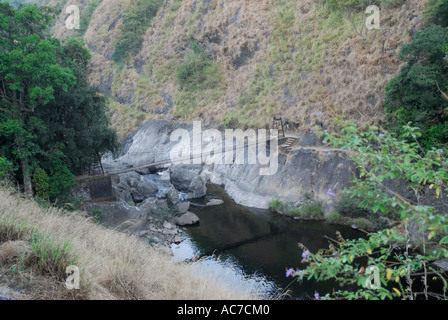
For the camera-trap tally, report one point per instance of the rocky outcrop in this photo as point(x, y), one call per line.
point(133, 187)
point(310, 169)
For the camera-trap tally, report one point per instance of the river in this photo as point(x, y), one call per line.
point(253, 247)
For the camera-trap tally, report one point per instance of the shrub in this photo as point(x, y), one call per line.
point(437, 12)
point(379, 159)
point(312, 209)
point(362, 223)
point(414, 96)
point(197, 70)
point(334, 217)
point(350, 206)
point(276, 204)
point(41, 183)
point(5, 168)
point(135, 22)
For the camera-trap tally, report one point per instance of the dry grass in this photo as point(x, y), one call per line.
point(301, 60)
point(113, 265)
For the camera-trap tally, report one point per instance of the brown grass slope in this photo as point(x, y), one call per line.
point(293, 58)
point(112, 265)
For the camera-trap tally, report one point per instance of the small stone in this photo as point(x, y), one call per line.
point(215, 202)
point(168, 225)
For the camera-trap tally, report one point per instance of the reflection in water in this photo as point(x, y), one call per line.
point(258, 243)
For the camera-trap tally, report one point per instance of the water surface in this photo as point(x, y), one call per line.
point(256, 245)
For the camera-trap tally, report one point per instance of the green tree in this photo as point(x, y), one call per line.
point(30, 72)
point(402, 252)
point(414, 96)
point(50, 117)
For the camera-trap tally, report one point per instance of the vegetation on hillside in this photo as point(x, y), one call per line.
point(135, 22)
point(51, 120)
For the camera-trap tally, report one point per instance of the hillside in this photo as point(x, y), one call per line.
point(297, 59)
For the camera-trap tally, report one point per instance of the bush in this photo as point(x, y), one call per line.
point(437, 12)
point(362, 223)
point(41, 183)
point(350, 206)
point(276, 204)
point(312, 209)
point(136, 21)
point(197, 70)
point(334, 217)
point(414, 96)
point(5, 168)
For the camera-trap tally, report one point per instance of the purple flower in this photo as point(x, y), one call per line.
point(381, 135)
point(311, 131)
point(305, 254)
point(445, 57)
point(289, 272)
point(319, 114)
point(331, 194)
point(316, 295)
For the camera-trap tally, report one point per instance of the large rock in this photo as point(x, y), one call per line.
point(133, 187)
point(173, 196)
point(187, 219)
point(183, 207)
point(182, 176)
point(144, 190)
point(197, 188)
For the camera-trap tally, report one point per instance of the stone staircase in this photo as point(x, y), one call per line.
point(286, 144)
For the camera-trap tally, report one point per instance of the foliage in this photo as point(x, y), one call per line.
point(41, 183)
point(414, 95)
point(437, 12)
point(421, 231)
point(276, 204)
point(360, 4)
point(193, 71)
point(51, 119)
point(136, 20)
point(51, 257)
point(86, 15)
point(334, 217)
point(5, 168)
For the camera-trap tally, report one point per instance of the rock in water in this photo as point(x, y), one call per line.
point(181, 177)
point(197, 188)
point(215, 202)
point(187, 219)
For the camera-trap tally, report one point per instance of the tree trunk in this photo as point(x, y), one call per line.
point(27, 184)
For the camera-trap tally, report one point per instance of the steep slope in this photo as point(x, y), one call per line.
point(297, 59)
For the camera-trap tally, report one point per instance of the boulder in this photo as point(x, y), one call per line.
point(145, 189)
point(133, 187)
point(183, 207)
point(173, 195)
point(182, 177)
point(187, 219)
point(197, 188)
